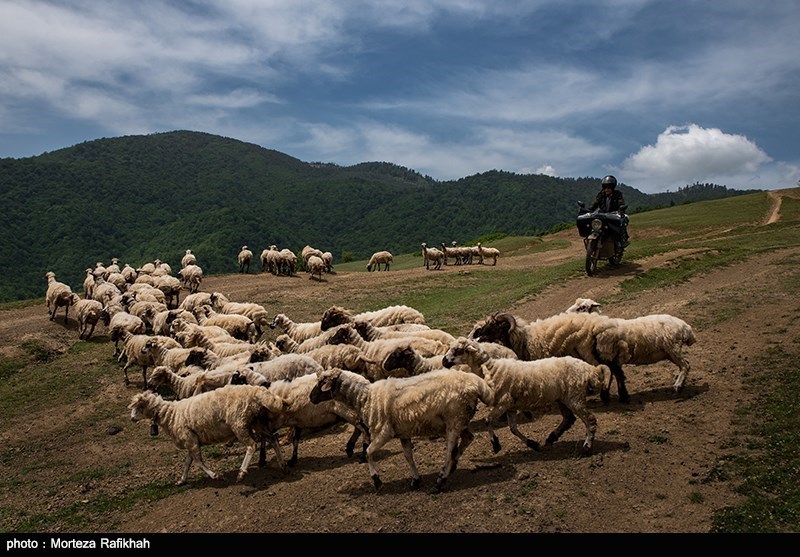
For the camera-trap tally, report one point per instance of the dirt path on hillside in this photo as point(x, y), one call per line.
point(656, 464)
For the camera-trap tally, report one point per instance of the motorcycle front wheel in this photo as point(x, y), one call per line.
point(591, 257)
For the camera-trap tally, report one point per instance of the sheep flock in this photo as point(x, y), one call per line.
point(216, 378)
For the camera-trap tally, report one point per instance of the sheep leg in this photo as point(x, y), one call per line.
point(408, 452)
point(683, 371)
point(295, 443)
point(618, 374)
point(568, 418)
point(375, 444)
point(186, 464)
point(590, 422)
point(512, 425)
point(248, 455)
point(466, 440)
point(196, 454)
point(497, 411)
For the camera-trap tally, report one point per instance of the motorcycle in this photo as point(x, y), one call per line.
point(598, 231)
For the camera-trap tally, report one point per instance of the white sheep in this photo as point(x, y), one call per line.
point(307, 252)
point(368, 331)
point(191, 276)
point(583, 305)
point(104, 292)
point(439, 403)
point(171, 287)
point(129, 273)
point(432, 255)
point(188, 259)
point(534, 385)
point(238, 326)
point(88, 283)
point(379, 258)
point(316, 266)
point(597, 339)
point(133, 353)
point(89, 313)
point(269, 259)
point(287, 262)
point(297, 331)
point(327, 259)
point(488, 253)
point(255, 312)
point(344, 356)
point(176, 358)
point(162, 322)
point(58, 295)
point(118, 322)
point(391, 315)
point(244, 258)
point(192, 384)
point(254, 351)
point(234, 412)
point(287, 344)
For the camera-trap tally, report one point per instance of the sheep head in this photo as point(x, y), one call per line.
point(496, 328)
point(400, 358)
point(333, 316)
point(328, 383)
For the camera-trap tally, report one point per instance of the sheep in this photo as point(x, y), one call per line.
point(451, 252)
point(188, 259)
point(113, 268)
point(269, 259)
point(174, 357)
point(134, 355)
point(327, 259)
point(391, 315)
point(286, 366)
point(404, 361)
point(104, 292)
point(193, 301)
point(99, 270)
point(197, 337)
point(534, 385)
point(88, 284)
point(194, 383)
point(597, 339)
point(583, 305)
point(238, 326)
point(118, 280)
point(171, 287)
point(244, 258)
point(432, 255)
point(301, 414)
point(438, 403)
point(307, 252)
point(182, 328)
point(118, 322)
point(58, 295)
point(316, 266)
point(368, 331)
point(191, 276)
point(144, 292)
point(146, 311)
point(255, 312)
point(297, 331)
point(146, 269)
point(129, 273)
point(488, 253)
point(287, 262)
point(344, 356)
point(287, 344)
point(379, 258)
point(88, 313)
point(161, 268)
point(162, 321)
point(233, 412)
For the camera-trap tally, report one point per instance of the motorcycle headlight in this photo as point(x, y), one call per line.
point(597, 225)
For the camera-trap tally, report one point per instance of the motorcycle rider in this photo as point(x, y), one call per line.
point(609, 200)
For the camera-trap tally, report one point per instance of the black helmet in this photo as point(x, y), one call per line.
point(609, 181)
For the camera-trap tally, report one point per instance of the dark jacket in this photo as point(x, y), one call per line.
point(615, 202)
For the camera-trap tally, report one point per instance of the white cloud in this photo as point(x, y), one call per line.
point(687, 154)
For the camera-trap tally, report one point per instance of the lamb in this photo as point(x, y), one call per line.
point(58, 295)
point(191, 276)
point(188, 259)
point(597, 339)
point(89, 313)
point(432, 255)
point(234, 412)
point(368, 331)
point(438, 403)
point(583, 305)
point(244, 258)
point(316, 266)
point(297, 331)
point(391, 315)
point(534, 385)
point(488, 253)
point(379, 258)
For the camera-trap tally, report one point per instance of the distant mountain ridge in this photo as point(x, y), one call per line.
point(144, 197)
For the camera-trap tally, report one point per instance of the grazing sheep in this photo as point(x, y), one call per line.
point(244, 258)
point(88, 313)
point(597, 339)
point(583, 305)
point(297, 331)
point(316, 266)
point(380, 258)
point(432, 255)
point(488, 253)
point(439, 403)
point(188, 259)
point(191, 276)
point(58, 295)
point(234, 412)
point(534, 385)
point(391, 315)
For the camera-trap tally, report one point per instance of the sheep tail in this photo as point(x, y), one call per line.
point(688, 336)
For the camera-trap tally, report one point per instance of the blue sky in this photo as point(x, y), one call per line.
point(659, 93)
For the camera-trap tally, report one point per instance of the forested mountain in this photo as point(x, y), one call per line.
point(139, 198)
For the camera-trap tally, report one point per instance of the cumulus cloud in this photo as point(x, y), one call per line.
point(687, 154)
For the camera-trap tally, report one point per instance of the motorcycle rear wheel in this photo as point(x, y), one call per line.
point(591, 257)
